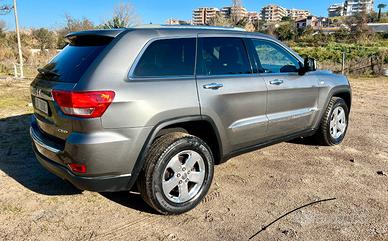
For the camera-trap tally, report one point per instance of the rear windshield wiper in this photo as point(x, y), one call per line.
point(47, 71)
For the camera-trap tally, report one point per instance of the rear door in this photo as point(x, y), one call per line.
point(62, 73)
point(292, 98)
point(229, 91)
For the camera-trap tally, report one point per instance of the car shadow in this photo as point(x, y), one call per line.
point(131, 200)
point(307, 141)
point(17, 159)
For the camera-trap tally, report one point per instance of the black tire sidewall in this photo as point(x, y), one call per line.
point(336, 141)
point(187, 143)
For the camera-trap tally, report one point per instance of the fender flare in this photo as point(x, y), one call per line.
point(153, 134)
point(334, 91)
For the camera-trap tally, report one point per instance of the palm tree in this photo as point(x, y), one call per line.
point(380, 6)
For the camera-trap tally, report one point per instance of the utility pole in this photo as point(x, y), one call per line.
point(18, 37)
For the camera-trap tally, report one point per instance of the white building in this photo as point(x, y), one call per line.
point(357, 6)
point(336, 10)
point(203, 16)
point(297, 13)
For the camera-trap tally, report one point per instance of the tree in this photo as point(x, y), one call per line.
point(45, 38)
point(5, 8)
point(380, 7)
point(286, 31)
point(358, 25)
point(219, 20)
point(124, 16)
point(235, 14)
point(73, 25)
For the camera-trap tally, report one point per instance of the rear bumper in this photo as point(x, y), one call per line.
point(96, 184)
point(109, 156)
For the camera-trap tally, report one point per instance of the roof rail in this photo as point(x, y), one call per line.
point(188, 27)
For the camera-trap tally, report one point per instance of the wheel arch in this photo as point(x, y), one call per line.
point(208, 133)
point(345, 95)
point(342, 91)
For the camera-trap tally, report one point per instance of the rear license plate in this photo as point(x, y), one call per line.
point(41, 105)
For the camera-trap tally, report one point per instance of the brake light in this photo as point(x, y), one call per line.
point(87, 104)
point(80, 168)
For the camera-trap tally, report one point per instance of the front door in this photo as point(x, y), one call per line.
point(292, 98)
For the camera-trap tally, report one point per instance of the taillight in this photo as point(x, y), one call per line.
point(87, 104)
point(80, 168)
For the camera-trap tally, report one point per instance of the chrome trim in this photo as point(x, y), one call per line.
point(241, 35)
point(131, 76)
point(39, 92)
point(213, 86)
point(39, 142)
point(255, 120)
point(290, 115)
point(276, 82)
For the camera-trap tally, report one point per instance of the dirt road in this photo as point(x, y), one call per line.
point(248, 192)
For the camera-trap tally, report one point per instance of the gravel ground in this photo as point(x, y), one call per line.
point(248, 192)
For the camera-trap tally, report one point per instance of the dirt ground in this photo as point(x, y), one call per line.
point(248, 191)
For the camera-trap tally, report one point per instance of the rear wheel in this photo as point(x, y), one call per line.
point(177, 173)
point(334, 123)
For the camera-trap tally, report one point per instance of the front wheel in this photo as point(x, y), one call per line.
point(177, 174)
point(334, 123)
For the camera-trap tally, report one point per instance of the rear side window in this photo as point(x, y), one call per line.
point(222, 56)
point(274, 58)
point(73, 60)
point(167, 57)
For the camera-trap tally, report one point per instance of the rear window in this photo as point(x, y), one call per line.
point(168, 57)
point(72, 62)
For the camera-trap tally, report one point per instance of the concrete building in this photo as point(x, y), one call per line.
point(353, 7)
point(203, 16)
point(238, 12)
point(336, 10)
point(314, 22)
point(297, 13)
point(273, 13)
point(254, 17)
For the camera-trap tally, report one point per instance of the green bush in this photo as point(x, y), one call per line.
point(333, 51)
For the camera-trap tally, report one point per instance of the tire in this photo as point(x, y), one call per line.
point(326, 135)
point(169, 161)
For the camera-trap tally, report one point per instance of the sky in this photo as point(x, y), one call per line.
point(51, 13)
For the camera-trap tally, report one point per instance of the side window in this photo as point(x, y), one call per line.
point(167, 57)
point(274, 58)
point(222, 56)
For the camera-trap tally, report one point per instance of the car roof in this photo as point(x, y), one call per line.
point(169, 29)
point(195, 29)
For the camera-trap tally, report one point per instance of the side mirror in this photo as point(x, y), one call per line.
point(310, 64)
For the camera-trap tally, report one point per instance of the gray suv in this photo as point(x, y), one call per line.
point(159, 106)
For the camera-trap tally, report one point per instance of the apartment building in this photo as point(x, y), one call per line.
point(273, 13)
point(297, 13)
point(313, 22)
point(254, 17)
point(238, 12)
point(203, 16)
point(357, 6)
point(336, 10)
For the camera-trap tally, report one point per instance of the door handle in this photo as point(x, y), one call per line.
point(213, 86)
point(276, 82)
